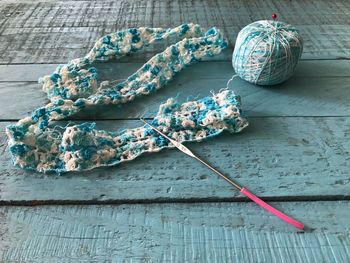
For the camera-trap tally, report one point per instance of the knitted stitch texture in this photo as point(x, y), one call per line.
point(35, 145)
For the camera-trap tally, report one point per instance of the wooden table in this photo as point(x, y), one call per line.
point(165, 207)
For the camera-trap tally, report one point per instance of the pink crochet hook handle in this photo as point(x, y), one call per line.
point(271, 209)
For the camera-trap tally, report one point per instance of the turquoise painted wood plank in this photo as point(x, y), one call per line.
point(278, 158)
point(110, 70)
point(207, 232)
point(315, 90)
point(55, 31)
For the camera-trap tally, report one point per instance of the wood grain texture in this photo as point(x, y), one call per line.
point(208, 232)
point(283, 158)
point(319, 88)
point(297, 147)
point(113, 70)
point(56, 31)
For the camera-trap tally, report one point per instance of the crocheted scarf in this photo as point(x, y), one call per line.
point(36, 145)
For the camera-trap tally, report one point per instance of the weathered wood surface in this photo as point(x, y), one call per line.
point(296, 150)
point(56, 31)
point(283, 158)
point(110, 70)
point(207, 232)
point(319, 88)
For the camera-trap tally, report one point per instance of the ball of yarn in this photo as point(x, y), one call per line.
point(267, 52)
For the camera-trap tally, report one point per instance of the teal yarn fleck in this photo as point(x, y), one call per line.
point(267, 52)
point(36, 144)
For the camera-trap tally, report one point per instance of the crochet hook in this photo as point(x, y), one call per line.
point(243, 190)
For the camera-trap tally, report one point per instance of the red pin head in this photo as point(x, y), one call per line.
point(274, 16)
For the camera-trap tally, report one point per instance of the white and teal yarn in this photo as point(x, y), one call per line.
point(36, 145)
point(267, 52)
